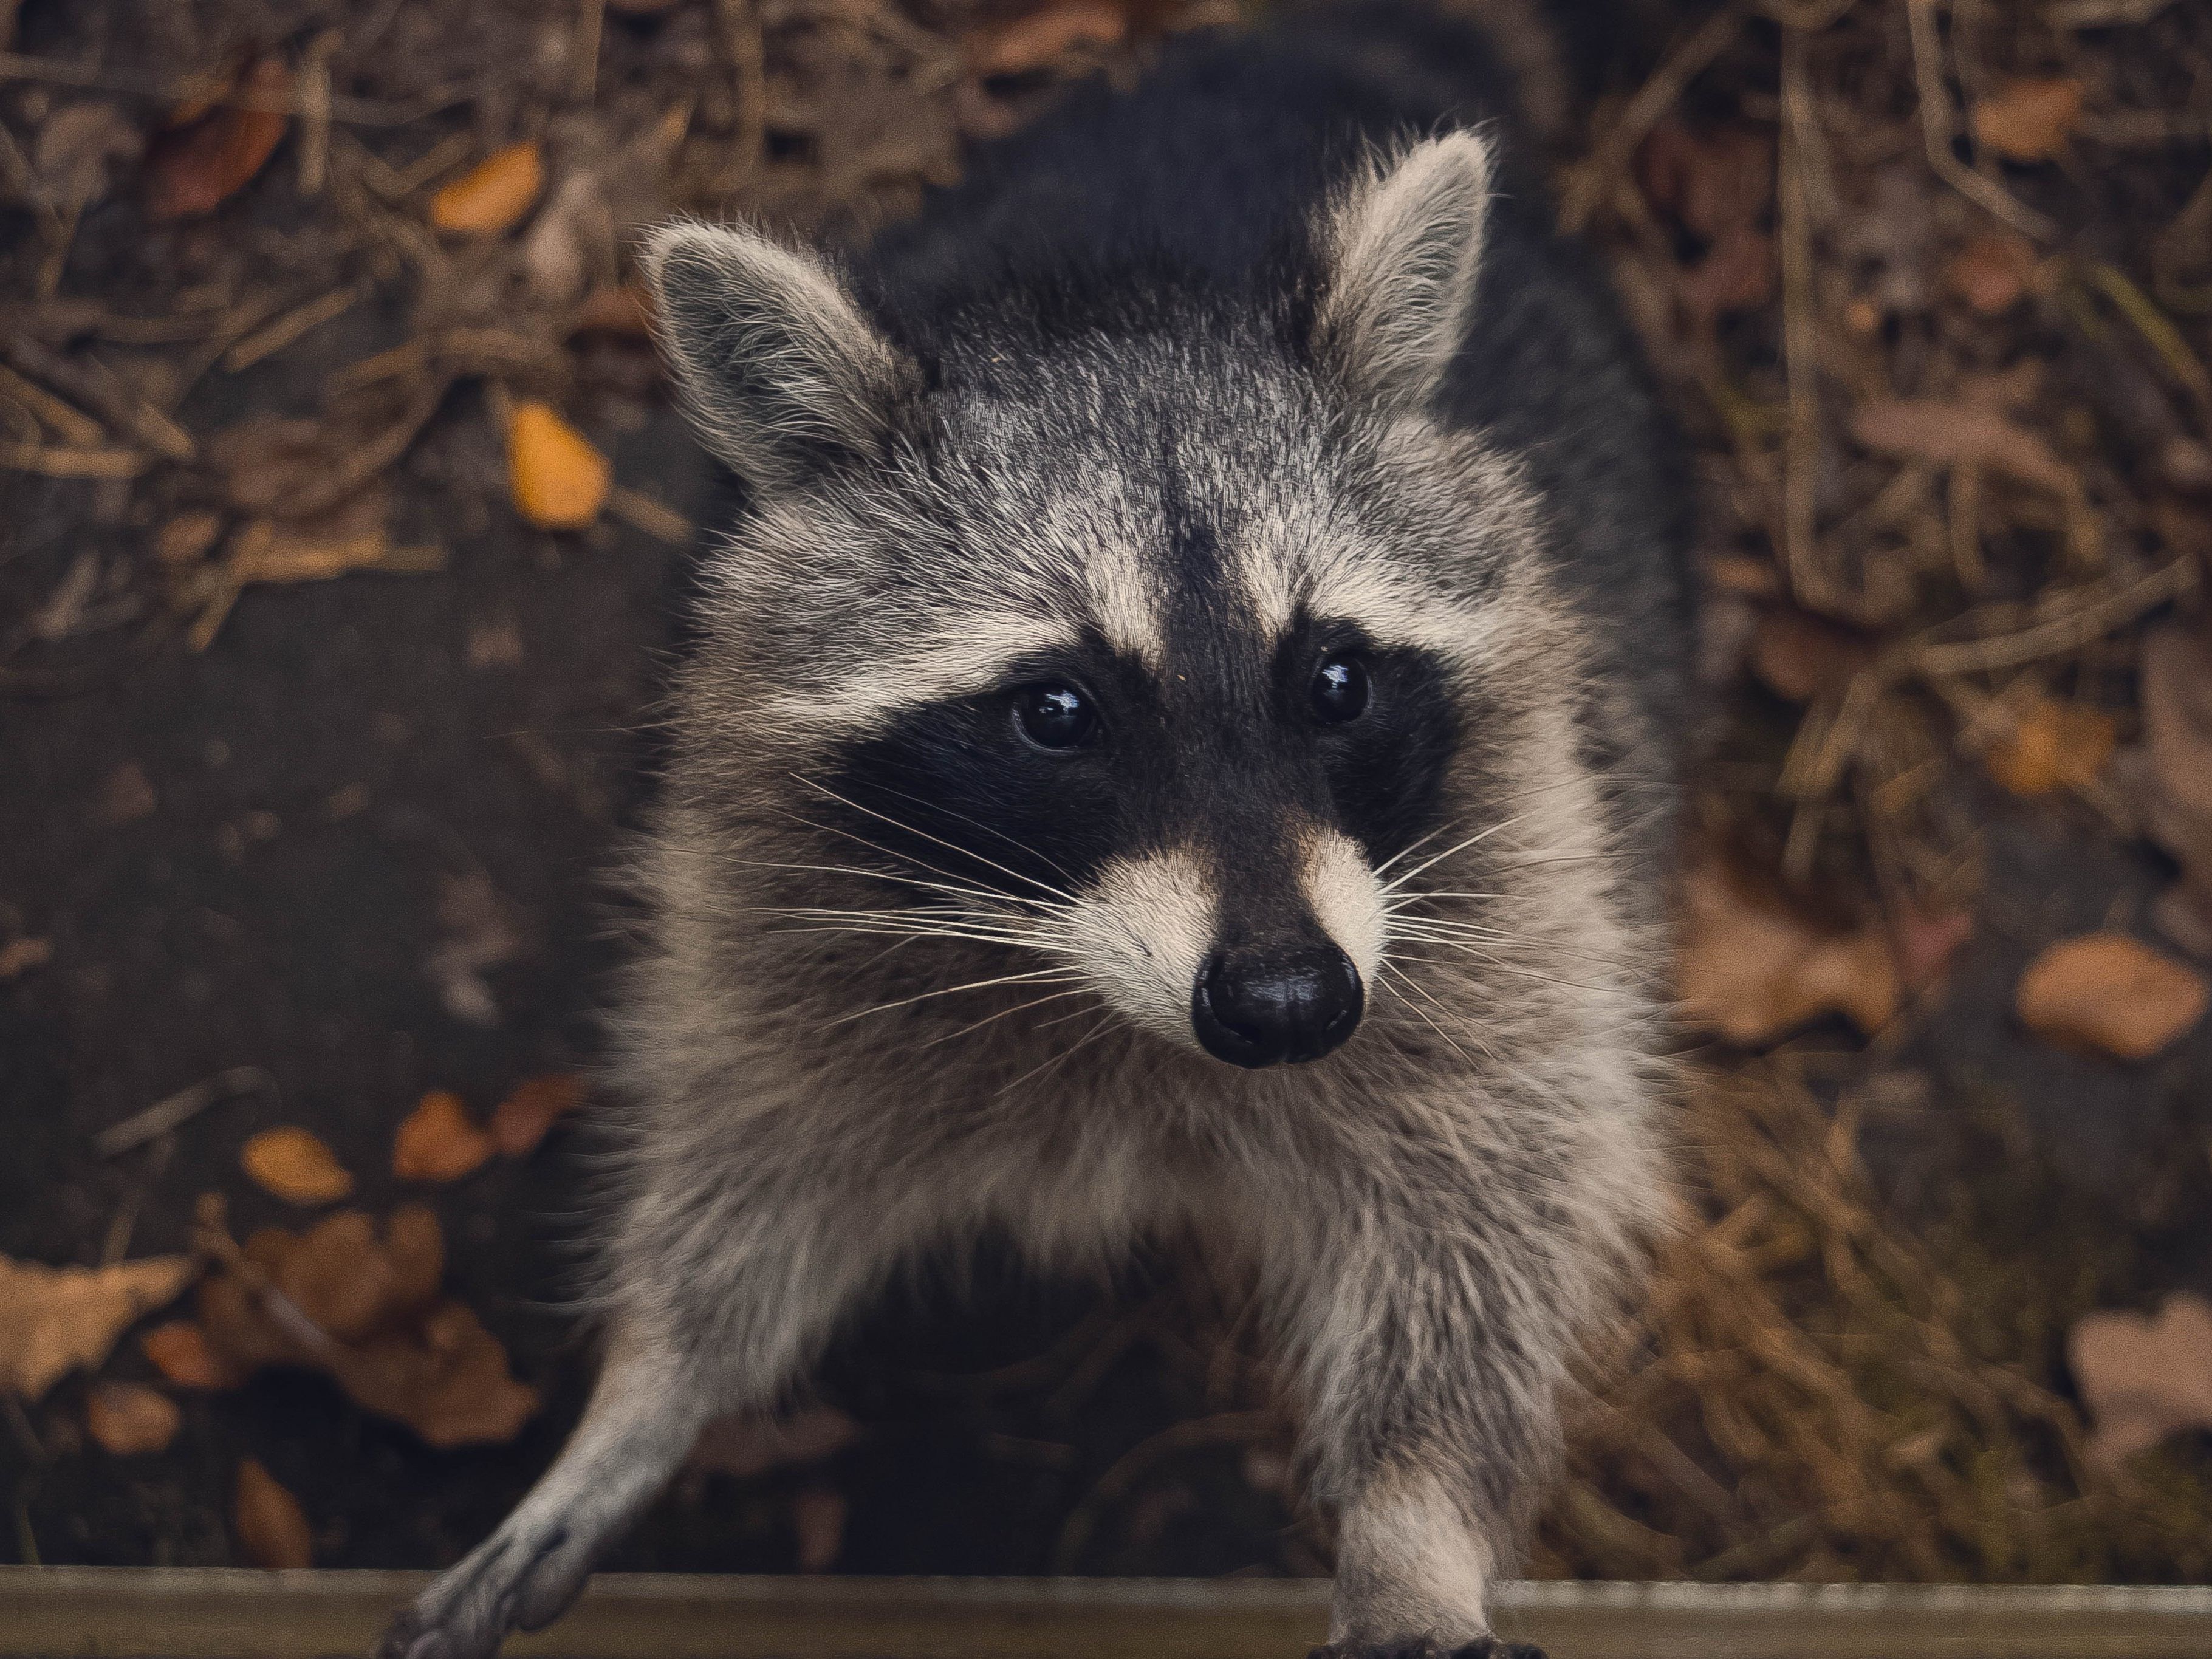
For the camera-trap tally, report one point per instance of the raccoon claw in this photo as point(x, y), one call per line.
point(1483, 1647)
point(468, 1612)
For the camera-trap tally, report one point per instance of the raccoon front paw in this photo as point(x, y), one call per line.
point(1422, 1647)
point(508, 1584)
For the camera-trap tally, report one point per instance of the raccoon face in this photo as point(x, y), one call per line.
point(1145, 649)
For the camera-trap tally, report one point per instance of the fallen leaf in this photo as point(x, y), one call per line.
point(574, 242)
point(2050, 746)
point(54, 1320)
point(1991, 272)
point(193, 167)
point(271, 1527)
point(1032, 42)
point(364, 1309)
point(1753, 969)
point(2105, 994)
point(1714, 183)
point(817, 1521)
point(1800, 656)
point(493, 194)
point(744, 1445)
point(1954, 433)
point(2143, 1379)
point(2028, 120)
point(180, 1352)
point(18, 955)
point(129, 1419)
point(560, 482)
point(439, 1141)
point(291, 1162)
point(524, 1116)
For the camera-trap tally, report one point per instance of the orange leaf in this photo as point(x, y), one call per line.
point(438, 1141)
point(560, 482)
point(524, 1116)
point(493, 195)
point(57, 1320)
point(271, 1527)
point(1752, 969)
point(193, 168)
point(128, 1418)
point(2051, 745)
point(2143, 1379)
point(1799, 656)
point(180, 1352)
point(294, 1165)
point(2028, 120)
point(2107, 994)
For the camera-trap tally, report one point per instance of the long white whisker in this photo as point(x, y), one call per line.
point(1019, 1007)
point(1046, 974)
point(1059, 894)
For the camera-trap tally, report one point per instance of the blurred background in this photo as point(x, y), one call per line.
point(341, 491)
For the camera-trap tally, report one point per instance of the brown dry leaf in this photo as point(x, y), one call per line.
point(2105, 994)
point(1926, 940)
point(270, 1526)
point(180, 1352)
point(1032, 42)
point(365, 1310)
point(1800, 656)
point(1967, 434)
point(493, 194)
point(2143, 1379)
point(53, 1320)
point(193, 167)
point(524, 1116)
point(1752, 969)
point(439, 1141)
point(2028, 120)
point(291, 1162)
point(1991, 272)
point(560, 482)
point(817, 1520)
point(746, 1443)
point(129, 1418)
point(2051, 745)
point(1714, 182)
point(18, 955)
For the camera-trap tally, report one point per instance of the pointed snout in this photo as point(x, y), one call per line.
point(1262, 1005)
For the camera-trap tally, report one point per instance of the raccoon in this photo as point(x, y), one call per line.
point(1178, 745)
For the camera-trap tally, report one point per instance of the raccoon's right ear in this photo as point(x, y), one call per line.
point(784, 374)
point(1402, 250)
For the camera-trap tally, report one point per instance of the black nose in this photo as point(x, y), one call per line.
point(1271, 1003)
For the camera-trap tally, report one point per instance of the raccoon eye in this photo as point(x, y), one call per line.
point(1054, 716)
point(1339, 689)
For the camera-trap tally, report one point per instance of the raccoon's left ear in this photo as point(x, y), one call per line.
point(784, 374)
point(1403, 251)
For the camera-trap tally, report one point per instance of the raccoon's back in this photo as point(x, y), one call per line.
point(1205, 173)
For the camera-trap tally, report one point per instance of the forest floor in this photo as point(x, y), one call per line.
point(312, 747)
